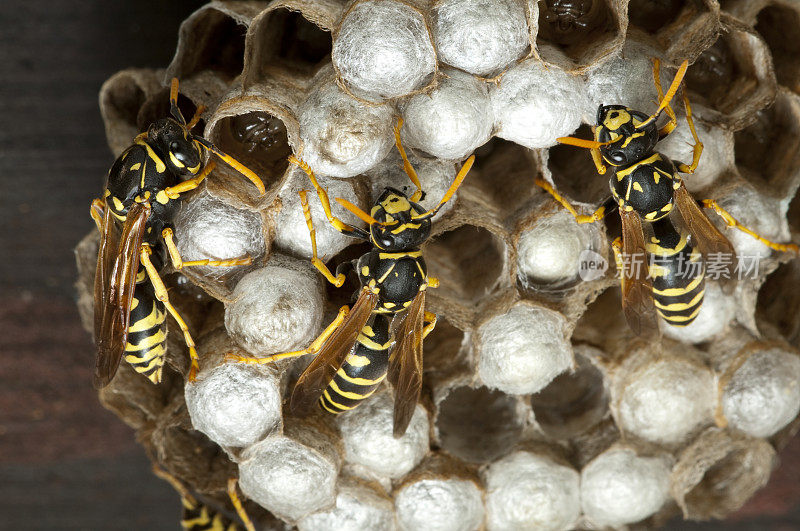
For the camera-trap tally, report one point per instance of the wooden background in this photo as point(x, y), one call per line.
point(65, 463)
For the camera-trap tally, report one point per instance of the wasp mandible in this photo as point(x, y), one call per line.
point(645, 186)
point(383, 332)
point(143, 190)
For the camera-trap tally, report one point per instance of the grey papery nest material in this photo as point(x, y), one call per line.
point(530, 356)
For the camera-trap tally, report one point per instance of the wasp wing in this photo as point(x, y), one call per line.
point(332, 354)
point(707, 237)
point(405, 363)
point(637, 292)
point(115, 280)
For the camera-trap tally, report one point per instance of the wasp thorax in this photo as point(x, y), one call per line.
point(176, 146)
point(630, 140)
point(401, 223)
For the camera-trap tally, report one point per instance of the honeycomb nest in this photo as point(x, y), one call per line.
point(540, 409)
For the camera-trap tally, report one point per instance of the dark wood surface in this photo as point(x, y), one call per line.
point(65, 463)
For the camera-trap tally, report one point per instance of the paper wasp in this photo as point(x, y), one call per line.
point(383, 332)
point(645, 186)
point(198, 516)
point(143, 191)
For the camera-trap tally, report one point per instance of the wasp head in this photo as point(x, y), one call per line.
point(401, 224)
point(629, 135)
point(182, 154)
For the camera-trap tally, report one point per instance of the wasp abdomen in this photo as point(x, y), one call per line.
point(363, 370)
point(678, 274)
point(147, 331)
point(646, 186)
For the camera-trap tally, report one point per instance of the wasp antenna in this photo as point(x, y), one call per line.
point(581, 142)
point(363, 216)
point(173, 102)
point(196, 118)
point(673, 89)
point(462, 174)
point(232, 162)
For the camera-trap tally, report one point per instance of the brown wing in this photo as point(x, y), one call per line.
point(405, 364)
point(708, 239)
point(116, 278)
point(332, 354)
point(637, 292)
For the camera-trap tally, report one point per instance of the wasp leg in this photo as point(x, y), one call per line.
point(433, 282)
point(96, 211)
point(673, 120)
point(409, 169)
point(180, 263)
point(162, 295)
point(337, 280)
point(237, 504)
point(697, 149)
point(580, 218)
point(732, 222)
point(174, 192)
point(430, 319)
point(337, 223)
point(313, 348)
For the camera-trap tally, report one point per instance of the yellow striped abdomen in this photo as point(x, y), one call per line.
point(363, 370)
point(147, 331)
point(678, 274)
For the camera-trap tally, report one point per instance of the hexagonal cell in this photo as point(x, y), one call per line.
point(682, 27)
point(775, 23)
point(574, 173)
point(503, 175)
point(257, 139)
point(291, 36)
point(468, 261)
point(770, 147)
point(477, 424)
point(573, 402)
point(652, 15)
point(121, 98)
point(732, 77)
point(585, 30)
point(718, 472)
point(778, 306)
point(212, 38)
point(156, 106)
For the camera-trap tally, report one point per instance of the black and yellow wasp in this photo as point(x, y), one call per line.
point(143, 191)
point(382, 334)
point(665, 271)
point(198, 516)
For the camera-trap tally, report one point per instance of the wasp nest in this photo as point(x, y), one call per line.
point(540, 409)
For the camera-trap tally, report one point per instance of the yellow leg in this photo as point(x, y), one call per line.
point(731, 222)
point(597, 158)
point(433, 282)
point(430, 318)
point(319, 264)
point(312, 349)
point(673, 120)
point(580, 218)
point(188, 499)
point(337, 223)
point(174, 192)
point(179, 263)
point(410, 171)
point(697, 149)
point(237, 504)
point(96, 211)
point(161, 294)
